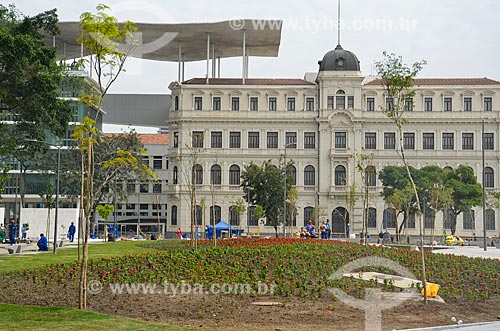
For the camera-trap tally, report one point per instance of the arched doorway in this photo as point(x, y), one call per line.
point(340, 217)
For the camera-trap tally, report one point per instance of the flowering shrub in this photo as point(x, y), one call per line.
point(294, 266)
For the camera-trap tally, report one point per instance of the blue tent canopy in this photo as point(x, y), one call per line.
point(223, 226)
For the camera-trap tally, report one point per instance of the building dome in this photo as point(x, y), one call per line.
point(339, 60)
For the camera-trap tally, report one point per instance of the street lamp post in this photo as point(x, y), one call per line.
point(284, 187)
point(484, 182)
point(248, 213)
point(57, 195)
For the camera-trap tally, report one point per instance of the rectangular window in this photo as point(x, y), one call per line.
point(370, 104)
point(389, 140)
point(427, 104)
point(157, 187)
point(309, 104)
point(488, 104)
point(341, 139)
point(447, 104)
point(409, 140)
point(144, 188)
point(131, 186)
point(216, 103)
point(468, 141)
point(235, 103)
point(253, 139)
point(350, 102)
point(290, 104)
point(448, 141)
point(216, 139)
point(197, 139)
point(176, 139)
point(309, 140)
point(254, 103)
point(467, 104)
point(428, 140)
point(198, 103)
point(144, 206)
point(291, 140)
point(234, 139)
point(340, 102)
point(273, 103)
point(389, 104)
point(489, 143)
point(157, 162)
point(272, 140)
point(370, 140)
point(329, 102)
point(409, 104)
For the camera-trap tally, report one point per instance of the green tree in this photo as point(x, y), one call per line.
point(239, 208)
point(397, 78)
point(467, 192)
point(102, 36)
point(264, 184)
point(29, 80)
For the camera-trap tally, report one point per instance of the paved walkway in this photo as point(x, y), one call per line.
point(493, 326)
point(471, 251)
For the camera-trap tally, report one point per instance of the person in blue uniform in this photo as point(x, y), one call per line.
point(71, 232)
point(43, 244)
point(12, 232)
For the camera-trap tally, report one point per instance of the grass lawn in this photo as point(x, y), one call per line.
point(17, 317)
point(19, 262)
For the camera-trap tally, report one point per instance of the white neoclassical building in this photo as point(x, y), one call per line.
point(325, 120)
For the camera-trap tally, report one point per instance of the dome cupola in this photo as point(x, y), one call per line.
point(339, 60)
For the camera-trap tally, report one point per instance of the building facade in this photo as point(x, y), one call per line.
point(220, 125)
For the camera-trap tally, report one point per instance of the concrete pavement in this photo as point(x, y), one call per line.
point(492, 326)
point(471, 251)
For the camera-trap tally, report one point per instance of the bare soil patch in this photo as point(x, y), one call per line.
point(229, 312)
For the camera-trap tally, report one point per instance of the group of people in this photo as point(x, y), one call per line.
point(310, 230)
point(209, 232)
point(42, 243)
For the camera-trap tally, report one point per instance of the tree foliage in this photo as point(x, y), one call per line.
point(264, 185)
point(467, 192)
point(29, 79)
point(451, 191)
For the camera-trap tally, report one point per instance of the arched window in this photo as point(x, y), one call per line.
point(371, 176)
point(309, 176)
point(308, 214)
point(340, 219)
point(340, 175)
point(175, 176)
point(389, 219)
point(292, 174)
point(215, 175)
point(217, 214)
point(197, 175)
point(199, 215)
point(252, 221)
point(340, 100)
point(372, 217)
point(448, 168)
point(489, 177)
point(176, 103)
point(173, 215)
point(490, 219)
point(233, 217)
point(234, 175)
point(469, 220)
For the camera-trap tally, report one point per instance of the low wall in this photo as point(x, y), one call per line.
point(37, 220)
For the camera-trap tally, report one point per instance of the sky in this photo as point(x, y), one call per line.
point(457, 38)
